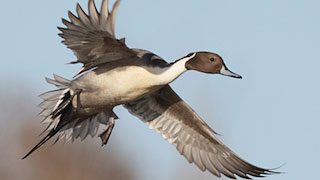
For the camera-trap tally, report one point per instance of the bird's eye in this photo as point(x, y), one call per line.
point(212, 59)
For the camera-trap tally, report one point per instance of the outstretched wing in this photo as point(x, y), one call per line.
point(169, 115)
point(92, 37)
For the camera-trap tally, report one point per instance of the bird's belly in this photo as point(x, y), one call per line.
point(116, 86)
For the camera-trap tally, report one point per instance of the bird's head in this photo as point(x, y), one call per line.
point(208, 62)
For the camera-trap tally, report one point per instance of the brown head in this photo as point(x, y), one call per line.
point(208, 62)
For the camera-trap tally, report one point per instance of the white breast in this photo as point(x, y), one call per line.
point(131, 82)
point(127, 83)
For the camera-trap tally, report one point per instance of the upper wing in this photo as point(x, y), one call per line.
point(92, 37)
point(168, 114)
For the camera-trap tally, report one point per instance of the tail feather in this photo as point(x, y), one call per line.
point(55, 128)
point(56, 109)
point(62, 119)
point(44, 140)
point(51, 95)
point(61, 80)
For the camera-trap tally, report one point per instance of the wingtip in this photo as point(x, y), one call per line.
point(273, 170)
point(65, 22)
point(62, 29)
point(73, 62)
point(78, 6)
point(47, 79)
point(70, 14)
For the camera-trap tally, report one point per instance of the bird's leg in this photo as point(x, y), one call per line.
point(105, 135)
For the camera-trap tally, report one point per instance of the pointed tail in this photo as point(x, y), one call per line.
point(63, 120)
point(56, 109)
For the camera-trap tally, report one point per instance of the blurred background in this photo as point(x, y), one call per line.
point(270, 117)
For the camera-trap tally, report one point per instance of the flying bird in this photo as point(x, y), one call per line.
point(114, 74)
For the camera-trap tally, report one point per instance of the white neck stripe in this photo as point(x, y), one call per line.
point(184, 60)
point(169, 74)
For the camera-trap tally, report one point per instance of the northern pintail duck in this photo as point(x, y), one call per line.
point(114, 74)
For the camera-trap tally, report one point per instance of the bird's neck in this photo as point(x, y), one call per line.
point(175, 69)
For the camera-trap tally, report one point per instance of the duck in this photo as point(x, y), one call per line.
point(114, 74)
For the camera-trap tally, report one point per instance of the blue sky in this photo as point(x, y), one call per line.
point(270, 117)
